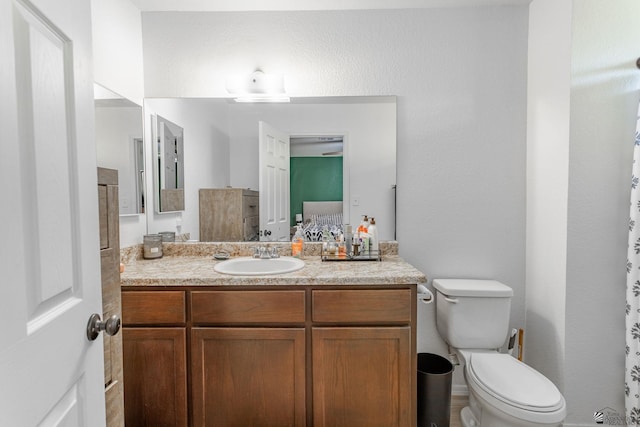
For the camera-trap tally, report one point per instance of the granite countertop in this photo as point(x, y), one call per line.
point(189, 270)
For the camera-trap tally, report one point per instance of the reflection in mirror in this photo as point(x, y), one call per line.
point(119, 145)
point(223, 152)
point(168, 165)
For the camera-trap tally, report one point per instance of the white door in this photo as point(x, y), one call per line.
point(274, 183)
point(52, 375)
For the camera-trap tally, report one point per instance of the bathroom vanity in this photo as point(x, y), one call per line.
point(330, 345)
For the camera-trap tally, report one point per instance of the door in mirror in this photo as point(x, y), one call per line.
point(274, 157)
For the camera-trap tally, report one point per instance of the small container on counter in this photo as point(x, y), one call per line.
point(348, 239)
point(152, 246)
point(297, 244)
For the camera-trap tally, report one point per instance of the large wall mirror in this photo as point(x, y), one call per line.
point(168, 156)
point(223, 151)
point(120, 146)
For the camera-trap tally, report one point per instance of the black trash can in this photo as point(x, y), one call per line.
point(434, 390)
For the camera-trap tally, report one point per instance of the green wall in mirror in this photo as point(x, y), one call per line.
point(314, 179)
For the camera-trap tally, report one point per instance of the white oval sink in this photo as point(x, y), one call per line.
point(247, 266)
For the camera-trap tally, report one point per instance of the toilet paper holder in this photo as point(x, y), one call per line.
point(424, 294)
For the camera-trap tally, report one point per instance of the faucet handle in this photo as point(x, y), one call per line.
point(256, 252)
point(274, 252)
point(264, 252)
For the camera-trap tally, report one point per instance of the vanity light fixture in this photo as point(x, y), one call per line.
point(258, 87)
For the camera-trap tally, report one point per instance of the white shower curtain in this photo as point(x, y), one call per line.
point(632, 363)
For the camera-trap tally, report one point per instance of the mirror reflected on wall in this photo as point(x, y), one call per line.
point(120, 146)
point(223, 150)
point(168, 144)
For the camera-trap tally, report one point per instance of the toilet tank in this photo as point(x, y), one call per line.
point(473, 314)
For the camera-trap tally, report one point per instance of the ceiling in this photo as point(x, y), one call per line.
point(290, 5)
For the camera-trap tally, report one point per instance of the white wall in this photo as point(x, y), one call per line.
point(583, 97)
point(118, 65)
point(117, 47)
point(547, 185)
point(460, 78)
point(605, 86)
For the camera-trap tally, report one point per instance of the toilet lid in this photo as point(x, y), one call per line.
point(515, 383)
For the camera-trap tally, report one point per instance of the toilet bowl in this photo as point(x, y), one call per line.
point(504, 392)
point(472, 316)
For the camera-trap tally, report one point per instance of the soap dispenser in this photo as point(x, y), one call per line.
point(363, 232)
point(373, 236)
point(297, 243)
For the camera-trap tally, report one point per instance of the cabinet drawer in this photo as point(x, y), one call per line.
point(153, 308)
point(243, 307)
point(250, 205)
point(362, 306)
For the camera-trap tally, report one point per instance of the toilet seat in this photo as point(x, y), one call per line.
point(514, 382)
point(515, 387)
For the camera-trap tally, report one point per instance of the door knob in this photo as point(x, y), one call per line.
point(111, 326)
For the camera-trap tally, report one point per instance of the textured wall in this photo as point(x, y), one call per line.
point(117, 47)
point(547, 185)
point(582, 104)
point(605, 89)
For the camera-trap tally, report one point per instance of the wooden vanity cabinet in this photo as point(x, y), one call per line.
point(280, 356)
point(248, 363)
point(155, 358)
point(362, 358)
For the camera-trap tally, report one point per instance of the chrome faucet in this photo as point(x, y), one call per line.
point(265, 252)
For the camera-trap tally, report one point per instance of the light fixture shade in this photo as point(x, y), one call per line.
point(258, 87)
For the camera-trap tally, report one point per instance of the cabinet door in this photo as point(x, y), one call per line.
point(362, 377)
point(155, 386)
point(244, 377)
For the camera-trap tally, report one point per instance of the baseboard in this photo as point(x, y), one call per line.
point(459, 390)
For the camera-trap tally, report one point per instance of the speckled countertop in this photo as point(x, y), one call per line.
point(192, 265)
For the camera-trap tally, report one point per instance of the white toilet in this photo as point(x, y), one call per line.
point(473, 318)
